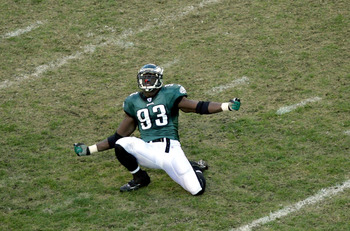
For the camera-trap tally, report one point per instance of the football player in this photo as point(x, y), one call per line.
point(155, 111)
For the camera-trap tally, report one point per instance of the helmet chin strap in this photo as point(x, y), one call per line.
point(150, 93)
point(149, 89)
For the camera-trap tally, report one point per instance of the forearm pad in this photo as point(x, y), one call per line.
point(112, 139)
point(202, 107)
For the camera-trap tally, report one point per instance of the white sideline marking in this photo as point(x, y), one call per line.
point(287, 109)
point(320, 196)
point(347, 132)
point(111, 40)
point(22, 31)
point(234, 83)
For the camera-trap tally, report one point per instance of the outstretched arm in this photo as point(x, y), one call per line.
point(187, 105)
point(126, 128)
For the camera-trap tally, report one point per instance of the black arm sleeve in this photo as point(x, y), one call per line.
point(202, 107)
point(112, 139)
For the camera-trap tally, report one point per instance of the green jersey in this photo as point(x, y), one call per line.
point(157, 116)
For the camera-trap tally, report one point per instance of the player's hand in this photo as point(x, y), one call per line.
point(81, 149)
point(235, 104)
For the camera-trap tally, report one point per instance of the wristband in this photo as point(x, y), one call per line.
point(93, 148)
point(225, 107)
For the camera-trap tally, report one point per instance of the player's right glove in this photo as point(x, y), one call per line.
point(81, 149)
point(234, 104)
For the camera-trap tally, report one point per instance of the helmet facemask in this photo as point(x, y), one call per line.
point(150, 77)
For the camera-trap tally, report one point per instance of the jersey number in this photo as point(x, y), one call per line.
point(145, 119)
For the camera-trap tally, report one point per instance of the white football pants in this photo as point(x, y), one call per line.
point(174, 163)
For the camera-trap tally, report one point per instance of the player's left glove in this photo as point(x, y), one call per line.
point(81, 149)
point(234, 104)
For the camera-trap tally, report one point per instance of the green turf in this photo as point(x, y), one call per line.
point(70, 75)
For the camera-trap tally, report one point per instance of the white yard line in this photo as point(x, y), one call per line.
point(46, 67)
point(170, 63)
point(119, 41)
point(234, 83)
point(287, 109)
point(22, 31)
point(320, 196)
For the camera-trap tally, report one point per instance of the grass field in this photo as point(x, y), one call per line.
point(66, 67)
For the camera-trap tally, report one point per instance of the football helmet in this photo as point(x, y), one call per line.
point(150, 77)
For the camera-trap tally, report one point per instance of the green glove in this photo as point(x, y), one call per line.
point(235, 104)
point(81, 149)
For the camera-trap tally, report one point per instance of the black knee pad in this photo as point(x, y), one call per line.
point(201, 180)
point(125, 158)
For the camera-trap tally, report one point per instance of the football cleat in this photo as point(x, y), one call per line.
point(201, 165)
point(135, 184)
